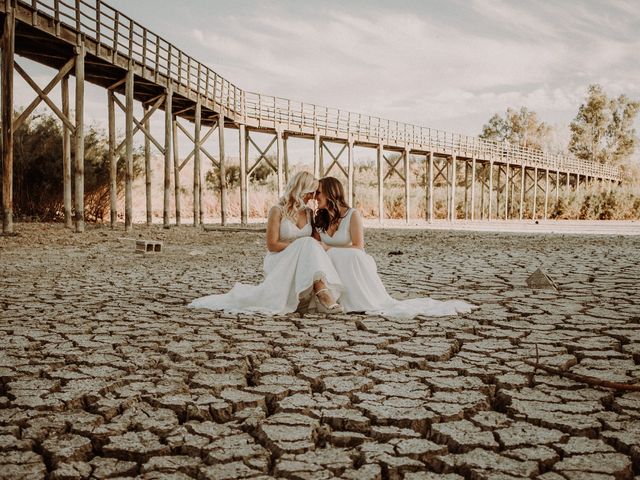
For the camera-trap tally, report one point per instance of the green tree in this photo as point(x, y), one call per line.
point(602, 131)
point(519, 127)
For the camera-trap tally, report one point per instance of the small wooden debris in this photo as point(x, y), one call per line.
point(148, 246)
point(539, 279)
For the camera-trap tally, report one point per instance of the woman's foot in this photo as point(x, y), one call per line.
point(326, 302)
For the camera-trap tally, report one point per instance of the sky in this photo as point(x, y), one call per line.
point(445, 64)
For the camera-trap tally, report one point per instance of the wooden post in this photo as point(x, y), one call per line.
point(196, 163)
point(535, 191)
point(128, 186)
point(79, 138)
point(168, 115)
point(246, 169)
point(147, 168)
point(498, 192)
point(8, 50)
point(430, 188)
point(506, 192)
point(407, 200)
point(482, 187)
point(454, 213)
point(546, 192)
point(523, 173)
point(243, 174)
point(473, 188)
point(490, 189)
point(223, 173)
point(448, 194)
point(557, 187)
point(285, 156)
point(113, 161)
point(176, 170)
point(279, 161)
point(321, 158)
point(380, 152)
point(466, 189)
point(350, 193)
point(316, 155)
point(66, 154)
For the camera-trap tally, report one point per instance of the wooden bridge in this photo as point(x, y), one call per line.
point(98, 44)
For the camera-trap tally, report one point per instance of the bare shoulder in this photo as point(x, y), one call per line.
point(356, 216)
point(275, 212)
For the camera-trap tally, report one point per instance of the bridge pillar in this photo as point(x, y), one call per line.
point(499, 189)
point(523, 184)
point(168, 134)
point(197, 190)
point(380, 153)
point(430, 187)
point(473, 187)
point(506, 192)
point(546, 192)
point(406, 186)
point(350, 170)
point(557, 186)
point(279, 159)
point(535, 191)
point(79, 138)
point(316, 156)
point(223, 175)
point(8, 49)
point(147, 167)
point(490, 189)
point(244, 164)
point(285, 157)
point(113, 161)
point(452, 204)
point(176, 169)
point(128, 187)
point(66, 154)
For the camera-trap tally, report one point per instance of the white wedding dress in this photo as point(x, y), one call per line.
point(289, 277)
point(364, 291)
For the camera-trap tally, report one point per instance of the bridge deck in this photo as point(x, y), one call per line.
point(47, 32)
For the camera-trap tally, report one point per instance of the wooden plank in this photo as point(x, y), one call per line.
point(168, 106)
point(128, 125)
point(6, 74)
point(66, 155)
point(79, 138)
point(223, 178)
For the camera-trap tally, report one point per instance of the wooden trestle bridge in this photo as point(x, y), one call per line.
point(98, 44)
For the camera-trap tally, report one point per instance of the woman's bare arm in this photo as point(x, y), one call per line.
point(274, 244)
point(357, 230)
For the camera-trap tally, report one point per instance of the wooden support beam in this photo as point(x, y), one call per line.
point(466, 190)
point(6, 74)
point(285, 157)
point(113, 160)
point(223, 177)
point(490, 190)
point(407, 199)
point(380, 154)
point(535, 192)
point(176, 171)
point(196, 164)
point(430, 187)
point(350, 170)
point(166, 200)
point(557, 187)
point(128, 128)
point(506, 192)
point(279, 161)
point(147, 170)
point(498, 190)
point(546, 192)
point(473, 187)
point(242, 142)
point(483, 184)
point(66, 155)
point(454, 213)
point(79, 138)
point(316, 155)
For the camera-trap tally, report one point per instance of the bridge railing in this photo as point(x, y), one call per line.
point(130, 40)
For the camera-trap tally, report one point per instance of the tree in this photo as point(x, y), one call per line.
point(602, 131)
point(518, 127)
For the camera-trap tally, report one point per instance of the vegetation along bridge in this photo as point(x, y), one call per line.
point(98, 44)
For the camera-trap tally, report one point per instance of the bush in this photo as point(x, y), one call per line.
point(38, 172)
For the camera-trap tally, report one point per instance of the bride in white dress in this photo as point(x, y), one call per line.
point(296, 266)
point(340, 230)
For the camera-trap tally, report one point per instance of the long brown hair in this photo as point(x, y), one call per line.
point(334, 191)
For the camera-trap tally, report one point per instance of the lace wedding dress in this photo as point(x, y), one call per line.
point(289, 277)
point(364, 291)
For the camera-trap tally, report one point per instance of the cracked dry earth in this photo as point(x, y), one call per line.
point(105, 373)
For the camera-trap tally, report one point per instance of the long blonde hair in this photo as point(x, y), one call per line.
point(292, 202)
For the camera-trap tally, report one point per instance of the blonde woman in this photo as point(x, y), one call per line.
point(296, 267)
